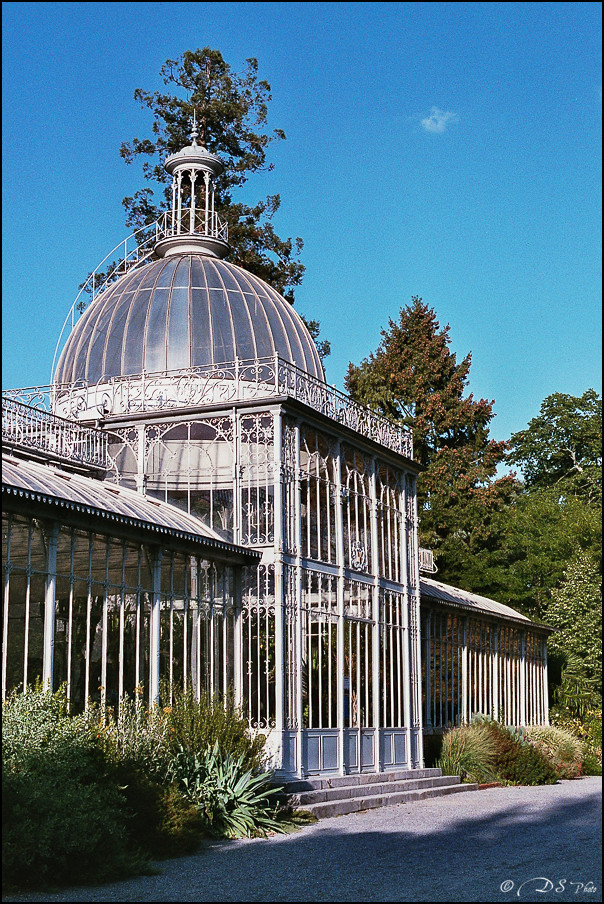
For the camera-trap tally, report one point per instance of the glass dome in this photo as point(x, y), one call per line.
point(187, 310)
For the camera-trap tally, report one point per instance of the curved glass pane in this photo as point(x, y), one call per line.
point(178, 328)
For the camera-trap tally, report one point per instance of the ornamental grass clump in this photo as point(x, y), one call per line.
point(234, 802)
point(560, 747)
point(469, 751)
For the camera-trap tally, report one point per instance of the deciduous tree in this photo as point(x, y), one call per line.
point(562, 447)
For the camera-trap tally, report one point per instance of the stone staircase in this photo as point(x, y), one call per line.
point(350, 793)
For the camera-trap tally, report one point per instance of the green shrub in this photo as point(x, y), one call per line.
point(518, 761)
point(197, 725)
point(137, 739)
point(232, 800)
point(560, 746)
point(469, 751)
point(588, 729)
point(487, 751)
point(160, 819)
point(63, 817)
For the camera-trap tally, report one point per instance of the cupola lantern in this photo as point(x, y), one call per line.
point(192, 225)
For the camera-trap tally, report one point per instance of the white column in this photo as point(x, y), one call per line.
point(179, 204)
point(154, 630)
point(5, 609)
point(279, 584)
point(428, 666)
point(522, 682)
point(193, 176)
point(206, 177)
point(173, 202)
point(298, 603)
point(495, 672)
point(375, 628)
point(340, 606)
point(49, 606)
point(545, 719)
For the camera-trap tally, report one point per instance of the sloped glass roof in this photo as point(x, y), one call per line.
point(98, 498)
point(444, 593)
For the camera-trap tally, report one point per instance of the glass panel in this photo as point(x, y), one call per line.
point(155, 345)
point(244, 329)
point(112, 366)
point(201, 330)
point(178, 329)
point(96, 344)
point(223, 343)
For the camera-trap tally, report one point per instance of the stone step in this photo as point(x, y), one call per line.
point(377, 789)
point(364, 778)
point(368, 802)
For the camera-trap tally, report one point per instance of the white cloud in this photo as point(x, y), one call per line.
point(438, 120)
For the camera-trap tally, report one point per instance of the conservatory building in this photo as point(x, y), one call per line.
point(190, 505)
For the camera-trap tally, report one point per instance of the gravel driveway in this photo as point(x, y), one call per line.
point(499, 844)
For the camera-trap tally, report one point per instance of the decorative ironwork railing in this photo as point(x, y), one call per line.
point(237, 381)
point(426, 561)
point(200, 221)
point(34, 428)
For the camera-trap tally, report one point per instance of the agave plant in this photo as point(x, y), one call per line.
point(234, 801)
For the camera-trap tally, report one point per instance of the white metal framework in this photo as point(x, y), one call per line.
point(238, 523)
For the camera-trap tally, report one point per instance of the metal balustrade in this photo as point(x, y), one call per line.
point(237, 381)
point(34, 428)
point(426, 561)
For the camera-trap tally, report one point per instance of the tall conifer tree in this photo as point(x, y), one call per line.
point(231, 112)
point(415, 380)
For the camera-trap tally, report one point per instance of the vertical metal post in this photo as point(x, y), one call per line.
point(340, 606)
point(154, 629)
point(375, 627)
point(280, 664)
point(464, 671)
point(298, 605)
point(238, 634)
point(6, 601)
point(49, 606)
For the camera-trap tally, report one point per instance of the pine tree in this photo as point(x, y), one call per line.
point(415, 380)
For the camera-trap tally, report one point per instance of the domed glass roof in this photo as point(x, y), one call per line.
point(187, 310)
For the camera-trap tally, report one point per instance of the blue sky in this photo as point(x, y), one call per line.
point(447, 150)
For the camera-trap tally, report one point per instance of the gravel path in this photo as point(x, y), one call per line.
point(477, 846)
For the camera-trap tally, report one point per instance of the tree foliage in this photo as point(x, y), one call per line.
point(537, 534)
point(562, 447)
point(575, 612)
point(232, 112)
point(415, 380)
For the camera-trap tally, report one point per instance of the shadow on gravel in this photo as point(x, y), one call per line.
point(373, 856)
